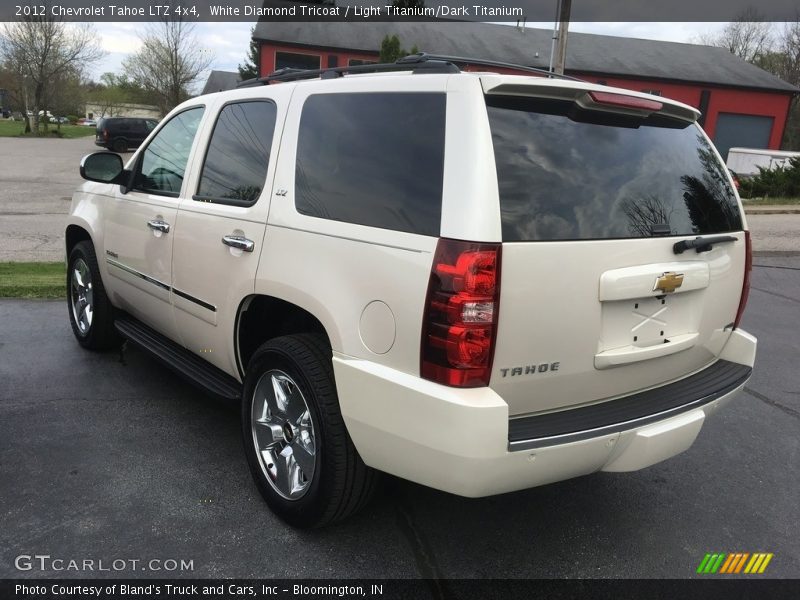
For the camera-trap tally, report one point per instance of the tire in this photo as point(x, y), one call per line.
point(90, 311)
point(119, 145)
point(330, 482)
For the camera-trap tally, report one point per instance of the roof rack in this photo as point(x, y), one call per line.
point(417, 63)
point(480, 62)
point(423, 65)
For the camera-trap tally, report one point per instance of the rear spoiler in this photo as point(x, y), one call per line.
point(596, 97)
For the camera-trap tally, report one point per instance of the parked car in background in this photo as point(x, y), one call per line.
point(123, 133)
point(88, 122)
point(61, 120)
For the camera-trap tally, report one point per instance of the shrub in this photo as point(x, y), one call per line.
point(781, 181)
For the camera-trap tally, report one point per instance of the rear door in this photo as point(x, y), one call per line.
point(595, 301)
point(221, 224)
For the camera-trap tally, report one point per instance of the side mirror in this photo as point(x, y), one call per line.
point(103, 167)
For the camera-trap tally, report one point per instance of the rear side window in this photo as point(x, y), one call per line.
point(373, 159)
point(566, 174)
point(236, 163)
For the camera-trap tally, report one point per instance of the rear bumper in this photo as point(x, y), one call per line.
point(458, 440)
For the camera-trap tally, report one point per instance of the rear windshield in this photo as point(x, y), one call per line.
point(571, 174)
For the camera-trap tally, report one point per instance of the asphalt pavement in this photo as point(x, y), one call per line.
point(112, 457)
point(37, 179)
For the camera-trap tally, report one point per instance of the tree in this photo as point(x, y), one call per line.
point(169, 63)
point(391, 51)
point(748, 36)
point(44, 54)
point(115, 90)
point(250, 70)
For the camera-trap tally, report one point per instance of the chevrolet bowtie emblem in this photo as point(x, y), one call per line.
point(668, 282)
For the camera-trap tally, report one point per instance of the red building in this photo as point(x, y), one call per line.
point(741, 104)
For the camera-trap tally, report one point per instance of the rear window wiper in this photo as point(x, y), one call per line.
point(701, 244)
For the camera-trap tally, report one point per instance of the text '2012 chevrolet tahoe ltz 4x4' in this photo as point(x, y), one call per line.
point(477, 282)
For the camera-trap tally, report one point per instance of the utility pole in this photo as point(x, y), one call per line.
point(563, 29)
point(25, 95)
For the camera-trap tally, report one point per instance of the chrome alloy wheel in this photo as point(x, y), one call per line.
point(81, 296)
point(283, 434)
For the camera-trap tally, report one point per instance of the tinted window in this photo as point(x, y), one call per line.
point(565, 173)
point(372, 159)
point(238, 154)
point(163, 163)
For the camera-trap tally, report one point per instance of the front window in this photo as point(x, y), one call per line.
point(163, 163)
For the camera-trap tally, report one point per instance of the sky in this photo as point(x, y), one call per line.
point(228, 42)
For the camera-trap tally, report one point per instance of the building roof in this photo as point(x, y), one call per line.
point(220, 81)
point(586, 53)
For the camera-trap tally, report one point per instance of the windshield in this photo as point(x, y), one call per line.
point(570, 174)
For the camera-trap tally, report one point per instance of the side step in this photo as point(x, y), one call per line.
point(187, 365)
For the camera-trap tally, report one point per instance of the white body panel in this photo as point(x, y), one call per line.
point(140, 263)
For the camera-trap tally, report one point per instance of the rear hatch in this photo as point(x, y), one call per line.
point(595, 191)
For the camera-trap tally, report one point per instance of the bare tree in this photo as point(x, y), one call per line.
point(44, 52)
point(787, 65)
point(169, 63)
point(749, 36)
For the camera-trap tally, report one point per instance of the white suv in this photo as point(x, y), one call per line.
point(477, 282)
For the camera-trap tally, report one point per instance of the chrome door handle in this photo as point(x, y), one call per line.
point(158, 225)
point(239, 242)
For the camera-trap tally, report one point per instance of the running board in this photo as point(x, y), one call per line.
point(192, 368)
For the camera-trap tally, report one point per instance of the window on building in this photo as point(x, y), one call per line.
point(292, 60)
point(374, 159)
point(238, 154)
point(163, 162)
point(333, 61)
point(652, 92)
point(356, 62)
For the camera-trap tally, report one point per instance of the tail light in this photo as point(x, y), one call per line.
point(459, 326)
point(624, 101)
point(748, 266)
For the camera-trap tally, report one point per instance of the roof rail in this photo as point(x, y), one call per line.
point(480, 62)
point(415, 63)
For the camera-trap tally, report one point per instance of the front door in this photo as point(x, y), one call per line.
point(139, 224)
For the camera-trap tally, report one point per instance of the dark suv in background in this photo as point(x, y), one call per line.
point(121, 133)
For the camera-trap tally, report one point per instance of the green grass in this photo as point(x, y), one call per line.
point(769, 201)
point(32, 280)
point(16, 128)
